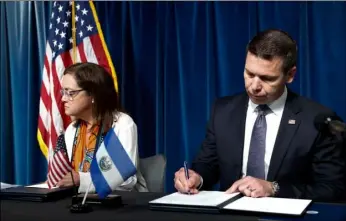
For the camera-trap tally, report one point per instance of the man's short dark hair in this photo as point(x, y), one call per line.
point(274, 43)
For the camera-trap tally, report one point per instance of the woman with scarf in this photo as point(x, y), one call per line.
point(91, 100)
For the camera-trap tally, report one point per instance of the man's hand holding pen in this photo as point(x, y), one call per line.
point(187, 182)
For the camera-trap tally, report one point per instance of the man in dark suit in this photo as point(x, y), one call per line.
point(264, 142)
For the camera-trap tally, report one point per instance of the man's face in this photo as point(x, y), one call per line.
point(264, 79)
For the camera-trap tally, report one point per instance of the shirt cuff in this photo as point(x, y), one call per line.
point(201, 184)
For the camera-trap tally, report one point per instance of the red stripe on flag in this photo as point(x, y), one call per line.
point(83, 58)
point(44, 132)
point(53, 132)
point(47, 102)
point(99, 52)
point(57, 95)
point(57, 86)
point(57, 169)
point(65, 162)
point(60, 166)
point(53, 174)
point(60, 163)
point(66, 59)
point(46, 99)
point(46, 65)
point(49, 181)
point(54, 178)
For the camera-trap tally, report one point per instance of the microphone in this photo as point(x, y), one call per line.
point(333, 124)
point(81, 207)
point(77, 207)
point(85, 207)
point(74, 189)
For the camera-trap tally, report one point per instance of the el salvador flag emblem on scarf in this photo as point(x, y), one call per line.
point(111, 165)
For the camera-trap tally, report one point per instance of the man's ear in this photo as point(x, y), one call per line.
point(291, 74)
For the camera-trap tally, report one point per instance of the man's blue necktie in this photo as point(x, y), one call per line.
point(255, 164)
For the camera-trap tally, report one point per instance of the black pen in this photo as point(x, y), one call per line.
point(186, 173)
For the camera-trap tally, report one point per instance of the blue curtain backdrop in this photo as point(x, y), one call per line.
point(172, 59)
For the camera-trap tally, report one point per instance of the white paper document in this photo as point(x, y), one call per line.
point(203, 198)
point(41, 185)
point(270, 205)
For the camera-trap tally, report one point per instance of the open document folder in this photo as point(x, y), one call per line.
point(204, 201)
point(38, 192)
point(216, 202)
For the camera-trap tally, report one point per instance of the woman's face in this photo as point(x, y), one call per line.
point(77, 102)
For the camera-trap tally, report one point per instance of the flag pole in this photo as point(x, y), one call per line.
point(74, 40)
point(74, 43)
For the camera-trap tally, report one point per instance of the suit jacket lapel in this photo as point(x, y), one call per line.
point(236, 137)
point(288, 127)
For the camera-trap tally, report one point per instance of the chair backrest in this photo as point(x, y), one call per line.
point(153, 170)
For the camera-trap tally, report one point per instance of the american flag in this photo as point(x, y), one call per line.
point(60, 164)
point(63, 48)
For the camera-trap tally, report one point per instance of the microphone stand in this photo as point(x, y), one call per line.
point(75, 206)
point(81, 207)
point(84, 207)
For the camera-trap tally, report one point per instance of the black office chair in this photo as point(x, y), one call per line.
point(153, 170)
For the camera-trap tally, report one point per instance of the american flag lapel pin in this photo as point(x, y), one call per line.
point(291, 121)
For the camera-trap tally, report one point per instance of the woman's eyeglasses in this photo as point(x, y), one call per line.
point(70, 94)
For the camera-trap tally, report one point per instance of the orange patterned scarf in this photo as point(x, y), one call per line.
point(83, 148)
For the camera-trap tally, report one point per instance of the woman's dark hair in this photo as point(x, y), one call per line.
point(99, 84)
point(275, 43)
